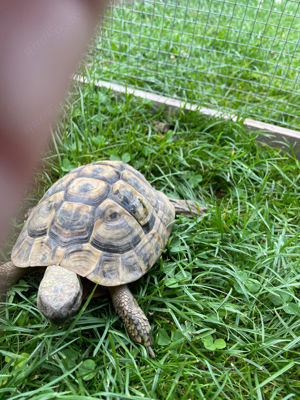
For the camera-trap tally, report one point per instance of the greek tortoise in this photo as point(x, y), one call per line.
point(101, 223)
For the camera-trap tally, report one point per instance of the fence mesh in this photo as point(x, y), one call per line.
point(233, 55)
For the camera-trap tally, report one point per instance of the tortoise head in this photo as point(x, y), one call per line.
point(60, 294)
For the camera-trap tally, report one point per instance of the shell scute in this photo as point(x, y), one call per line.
point(137, 174)
point(87, 191)
point(136, 204)
point(41, 217)
point(115, 231)
point(167, 211)
point(20, 255)
point(103, 172)
point(118, 165)
point(132, 266)
point(161, 228)
point(144, 189)
point(72, 224)
point(108, 271)
point(23, 235)
point(45, 252)
point(81, 258)
point(145, 253)
point(60, 185)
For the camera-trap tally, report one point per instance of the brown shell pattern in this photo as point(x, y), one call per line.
point(103, 221)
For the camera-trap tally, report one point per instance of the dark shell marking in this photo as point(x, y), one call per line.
point(88, 191)
point(102, 221)
point(102, 172)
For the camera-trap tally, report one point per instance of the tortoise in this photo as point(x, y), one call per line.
point(104, 224)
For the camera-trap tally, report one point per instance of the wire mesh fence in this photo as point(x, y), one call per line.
point(233, 55)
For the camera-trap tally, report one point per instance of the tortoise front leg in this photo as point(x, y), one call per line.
point(135, 320)
point(9, 275)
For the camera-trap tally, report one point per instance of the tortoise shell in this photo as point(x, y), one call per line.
point(103, 221)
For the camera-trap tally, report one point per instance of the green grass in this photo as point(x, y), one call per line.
point(242, 56)
point(223, 301)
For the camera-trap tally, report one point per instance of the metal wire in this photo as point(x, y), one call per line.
point(241, 56)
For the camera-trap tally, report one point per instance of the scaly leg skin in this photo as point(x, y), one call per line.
point(187, 208)
point(135, 320)
point(9, 275)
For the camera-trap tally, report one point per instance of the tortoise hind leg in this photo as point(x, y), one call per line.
point(135, 320)
point(187, 208)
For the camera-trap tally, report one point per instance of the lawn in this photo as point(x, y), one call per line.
point(238, 55)
point(223, 300)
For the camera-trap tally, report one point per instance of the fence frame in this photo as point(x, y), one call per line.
point(275, 136)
